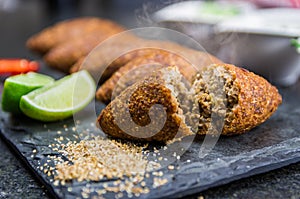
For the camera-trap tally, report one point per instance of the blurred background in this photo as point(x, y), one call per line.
point(20, 19)
point(200, 20)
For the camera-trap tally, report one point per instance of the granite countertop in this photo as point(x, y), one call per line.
point(16, 181)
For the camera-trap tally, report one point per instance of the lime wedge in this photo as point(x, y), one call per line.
point(17, 86)
point(61, 99)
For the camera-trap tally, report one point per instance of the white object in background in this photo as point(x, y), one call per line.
point(202, 12)
point(262, 43)
point(197, 18)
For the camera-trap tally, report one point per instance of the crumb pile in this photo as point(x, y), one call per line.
point(123, 165)
point(98, 158)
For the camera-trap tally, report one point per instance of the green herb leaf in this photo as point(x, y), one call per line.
point(296, 43)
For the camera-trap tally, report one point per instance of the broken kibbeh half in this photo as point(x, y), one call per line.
point(224, 99)
point(129, 116)
point(232, 100)
point(140, 67)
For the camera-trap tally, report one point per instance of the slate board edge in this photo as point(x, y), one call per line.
point(251, 173)
point(29, 165)
point(255, 171)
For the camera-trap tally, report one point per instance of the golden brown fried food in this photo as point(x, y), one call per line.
point(64, 55)
point(248, 99)
point(139, 68)
point(224, 99)
point(138, 99)
point(113, 55)
point(106, 69)
point(69, 30)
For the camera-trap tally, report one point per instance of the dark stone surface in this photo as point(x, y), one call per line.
point(17, 181)
point(281, 183)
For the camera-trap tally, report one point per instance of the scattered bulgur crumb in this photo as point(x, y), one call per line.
point(63, 182)
point(56, 183)
point(143, 183)
point(158, 173)
point(92, 159)
point(157, 182)
point(84, 195)
point(99, 158)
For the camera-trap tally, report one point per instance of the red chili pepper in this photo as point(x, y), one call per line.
point(15, 66)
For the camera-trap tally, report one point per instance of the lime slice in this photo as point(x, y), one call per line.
point(17, 86)
point(61, 99)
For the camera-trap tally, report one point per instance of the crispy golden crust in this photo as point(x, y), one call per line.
point(69, 30)
point(85, 62)
point(111, 56)
point(147, 64)
point(125, 51)
point(139, 98)
point(104, 60)
point(257, 101)
point(68, 42)
point(64, 55)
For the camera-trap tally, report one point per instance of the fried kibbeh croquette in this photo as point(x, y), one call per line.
point(114, 55)
point(224, 99)
point(68, 30)
point(248, 99)
point(64, 55)
point(136, 102)
point(139, 68)
point(66, 44)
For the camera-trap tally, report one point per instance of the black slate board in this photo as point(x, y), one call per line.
point(274, 144)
